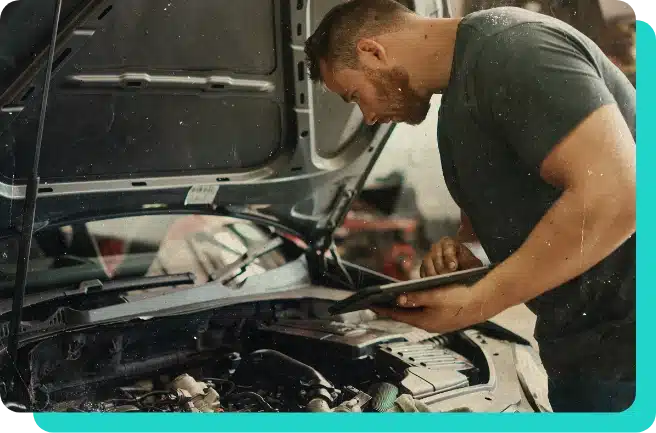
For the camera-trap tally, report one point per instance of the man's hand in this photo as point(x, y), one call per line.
point(442, 310)
point(448, 255)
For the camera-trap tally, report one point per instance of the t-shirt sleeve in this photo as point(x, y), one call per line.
point(533, 86)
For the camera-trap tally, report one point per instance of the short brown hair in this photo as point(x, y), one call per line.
point(335, 38)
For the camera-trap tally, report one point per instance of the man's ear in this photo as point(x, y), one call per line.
point(371, 53)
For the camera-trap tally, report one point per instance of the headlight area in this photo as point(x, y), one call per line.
point(498, 389)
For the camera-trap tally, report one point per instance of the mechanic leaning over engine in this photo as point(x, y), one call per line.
point(536, 137)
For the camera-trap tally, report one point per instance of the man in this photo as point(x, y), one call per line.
point(537, 141)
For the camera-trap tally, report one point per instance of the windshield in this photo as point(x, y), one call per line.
point(139, 246)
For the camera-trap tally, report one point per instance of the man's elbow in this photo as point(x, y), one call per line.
point(628, 213)
point(609, 210)
point(621, 210)
point(627, 203)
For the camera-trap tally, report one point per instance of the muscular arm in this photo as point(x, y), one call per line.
point(595, 166)
point(547, 99)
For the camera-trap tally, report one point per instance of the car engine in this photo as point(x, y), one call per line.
point(236, 361)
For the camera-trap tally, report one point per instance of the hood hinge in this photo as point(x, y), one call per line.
point(322, 240)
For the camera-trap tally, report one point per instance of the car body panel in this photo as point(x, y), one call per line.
point(169, 108)
point(135, 125)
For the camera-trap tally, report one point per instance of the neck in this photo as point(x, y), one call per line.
point(431, 59)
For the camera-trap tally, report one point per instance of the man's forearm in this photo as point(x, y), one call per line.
point(570, 239)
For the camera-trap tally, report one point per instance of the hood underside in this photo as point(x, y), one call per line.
point(176, 105)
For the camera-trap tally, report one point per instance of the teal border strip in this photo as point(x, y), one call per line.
point(636, 419)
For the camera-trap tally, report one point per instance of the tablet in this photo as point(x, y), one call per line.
point(385, 295)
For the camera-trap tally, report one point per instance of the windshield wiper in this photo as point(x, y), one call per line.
point(96, 287)
point(234, 269)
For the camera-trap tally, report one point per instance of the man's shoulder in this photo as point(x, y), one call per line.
point(511, 33)
point(491, 22)
point(496, 34)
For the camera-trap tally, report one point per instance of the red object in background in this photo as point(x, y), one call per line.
point(295, 240)
point(390, 239)
point(398, 260)
point(406, 225)
point(111, 253)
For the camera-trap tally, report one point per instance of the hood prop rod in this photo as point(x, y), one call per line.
point(29, 206)
point(322, 240)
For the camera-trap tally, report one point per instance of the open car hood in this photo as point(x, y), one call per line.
point(178, 105)
point(171, 105)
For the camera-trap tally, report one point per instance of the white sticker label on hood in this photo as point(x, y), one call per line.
point(201, 194)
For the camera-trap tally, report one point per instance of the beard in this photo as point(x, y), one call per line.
point(403, 102)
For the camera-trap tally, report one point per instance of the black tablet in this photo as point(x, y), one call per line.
point(385, 295)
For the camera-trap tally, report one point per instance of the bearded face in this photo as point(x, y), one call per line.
point(394, 99)
point(383, 95)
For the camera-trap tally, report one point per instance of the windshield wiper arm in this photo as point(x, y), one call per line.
point(234, 269)
point(95, 287)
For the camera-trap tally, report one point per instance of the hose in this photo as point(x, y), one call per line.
point(153, 364)
point(133, 369)
point(276, 362)
point(383, 396)
point(254, 395)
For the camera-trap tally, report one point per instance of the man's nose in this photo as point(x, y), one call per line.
point(370, 118)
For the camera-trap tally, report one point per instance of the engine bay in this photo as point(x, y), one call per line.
point(259, 357)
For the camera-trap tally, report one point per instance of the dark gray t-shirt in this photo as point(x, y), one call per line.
point(521, 81)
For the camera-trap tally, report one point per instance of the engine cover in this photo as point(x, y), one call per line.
point(428, 366)
point(348, 341)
